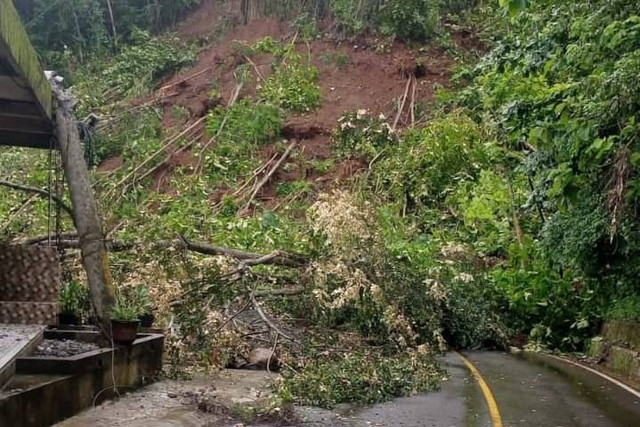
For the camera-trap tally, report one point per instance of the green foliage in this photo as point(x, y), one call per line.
point(84, 27)
point(559, 310)
point(239, 131)
point(559, 89)
point(409, 19)
point(366, 379)
point(73, 298)
point(627, 308)
point(246, 121)
point(406, 19)
point(361, 135)
point(130, 305)
point(292, 83)
point(430, 161)
point(132, 72)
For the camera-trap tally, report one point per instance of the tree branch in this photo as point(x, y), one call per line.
point(42, 193)
point(280, 258)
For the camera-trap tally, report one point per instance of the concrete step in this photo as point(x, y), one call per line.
point(16, 341)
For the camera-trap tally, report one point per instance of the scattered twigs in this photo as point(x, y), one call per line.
point(255, 175)
point(110, 120)
point(40, 192)
point(266, 319)
point(289, 292)
point(186, 79)
point(402, 104)
point(268, 176)
point(233, 316)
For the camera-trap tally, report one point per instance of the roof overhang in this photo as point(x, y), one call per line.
point(25, 94)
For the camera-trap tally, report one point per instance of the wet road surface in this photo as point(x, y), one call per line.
point(529, 390)
point(537, 390)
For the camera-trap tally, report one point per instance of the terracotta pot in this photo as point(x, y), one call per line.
point(146, 320)
point(68, 319)
point(124, 332)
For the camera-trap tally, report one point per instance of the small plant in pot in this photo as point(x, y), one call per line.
point(125, 320)
point(146, 318)
point(70, 303)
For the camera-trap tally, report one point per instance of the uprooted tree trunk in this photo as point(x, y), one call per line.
point(85, 210)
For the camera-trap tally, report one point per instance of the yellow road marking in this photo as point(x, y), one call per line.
point(494, 413)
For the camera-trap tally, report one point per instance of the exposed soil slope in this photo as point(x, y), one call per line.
point(363, 79)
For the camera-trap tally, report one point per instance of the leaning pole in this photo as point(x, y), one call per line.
point(84, 206)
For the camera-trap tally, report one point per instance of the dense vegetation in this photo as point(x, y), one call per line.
point(510, 209)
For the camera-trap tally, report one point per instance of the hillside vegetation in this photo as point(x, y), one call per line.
point(420, 174)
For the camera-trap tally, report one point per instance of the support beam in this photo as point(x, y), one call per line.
point(85, 209)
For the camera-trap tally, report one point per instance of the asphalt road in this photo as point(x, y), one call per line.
point(528, 390)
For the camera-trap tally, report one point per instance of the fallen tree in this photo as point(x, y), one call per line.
point(281, 258)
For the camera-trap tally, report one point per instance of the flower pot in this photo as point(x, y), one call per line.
point(68, 319)
point(146, 320)
point(124, 332)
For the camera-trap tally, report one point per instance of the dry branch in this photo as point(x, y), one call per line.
point(186, 79)
point(402, 104)
point(266, 319)
point(268, 176)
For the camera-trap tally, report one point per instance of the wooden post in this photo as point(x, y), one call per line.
point(85, 209)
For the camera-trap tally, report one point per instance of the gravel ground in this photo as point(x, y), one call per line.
point(63, 348)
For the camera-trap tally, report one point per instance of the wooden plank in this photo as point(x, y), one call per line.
point(22, 56)
point(11, 106)
point(25, 123)
point(14, 89)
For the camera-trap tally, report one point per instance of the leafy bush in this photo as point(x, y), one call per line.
point(246, 121)
point(247, 125)
point(132, 72)
point(361, 135)
point(627, 308)
point(429, 162)
point(292, 83)
point(409, 19)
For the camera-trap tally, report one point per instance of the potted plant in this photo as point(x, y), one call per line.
point(146, 318)
point(69, 303)
point(125, 320)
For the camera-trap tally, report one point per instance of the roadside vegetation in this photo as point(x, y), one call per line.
point(507, 211)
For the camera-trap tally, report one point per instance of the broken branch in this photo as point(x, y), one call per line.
point(39, 192)
point(268, 176)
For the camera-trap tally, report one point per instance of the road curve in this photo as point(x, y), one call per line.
point(528, 390)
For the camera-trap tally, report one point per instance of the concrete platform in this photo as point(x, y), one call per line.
point(15, 341)
point(46, 390)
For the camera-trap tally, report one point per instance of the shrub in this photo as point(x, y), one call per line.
point(361, 135)
point(425, 168)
